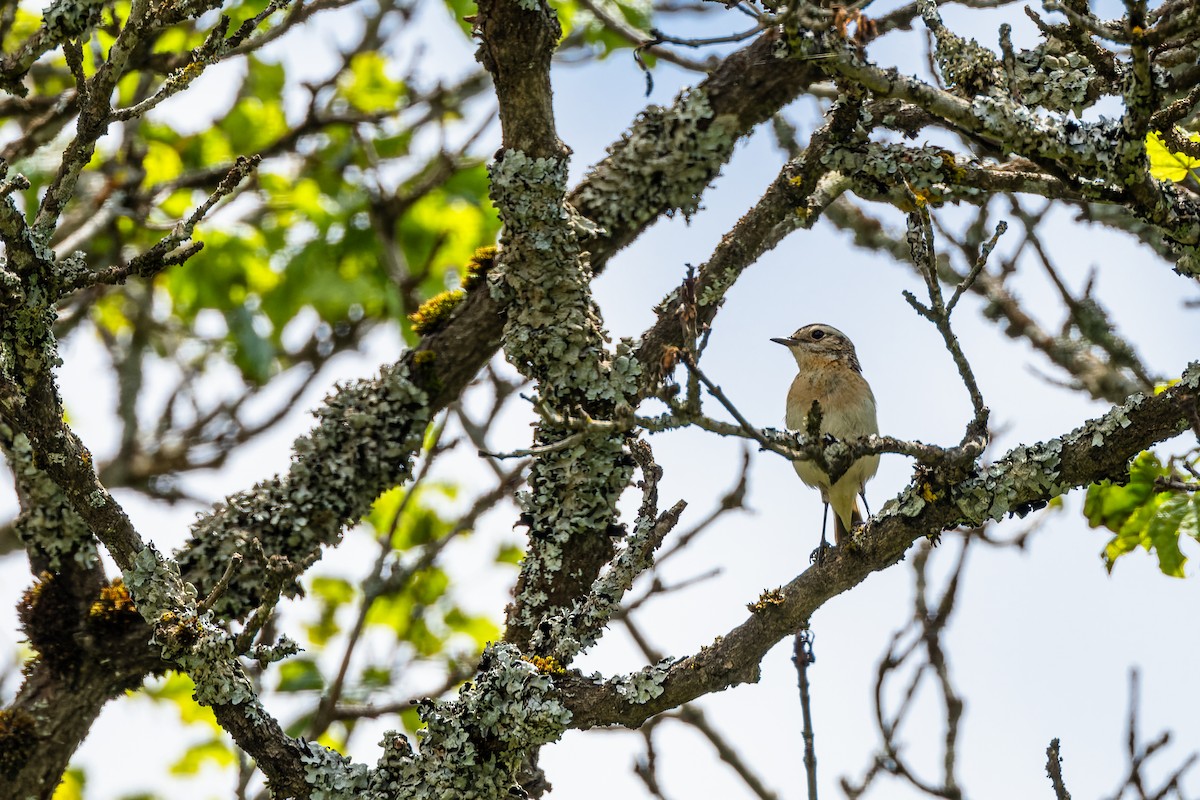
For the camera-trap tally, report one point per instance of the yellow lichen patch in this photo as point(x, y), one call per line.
point(546, 664)
point(928, 493)
point(770, 597)
point(113, 605)
point(478, 267)
point(434, 312)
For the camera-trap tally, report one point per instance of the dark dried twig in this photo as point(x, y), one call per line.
point(1054, 771)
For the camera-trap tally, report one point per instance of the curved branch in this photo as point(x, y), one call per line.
point(1097, 449)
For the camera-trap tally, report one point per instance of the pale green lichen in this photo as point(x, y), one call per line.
point(574, 630)
point(203, 650)
point(48, 528)
point(368, 434)
point(1035, 470)
point(156, 586)
point(333, 776)
point(470, 748)
point(666, 160)
point(553, 335)
point(1056, 78)
point(66, 18)
point(998, 489)
point(642, 686)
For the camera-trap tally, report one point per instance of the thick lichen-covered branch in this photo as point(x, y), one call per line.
point(574, 630)
point(553, 334)
point(666, 160)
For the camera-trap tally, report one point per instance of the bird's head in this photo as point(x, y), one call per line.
point(818, 343)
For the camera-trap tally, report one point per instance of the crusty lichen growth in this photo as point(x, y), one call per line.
point(968, 68)
point(1005, 486)
point(198, 646)
point(643, 685)
point(366, 438)
point(18, 740)
point(578, 627)
point(766, 600)
point(930, 173)
point(553, 335)
point(666, 160)
point(435, 312)
point(49, 528)
point(1056, 78)
point(470, 747)
point(156, 585)
point(66, 18)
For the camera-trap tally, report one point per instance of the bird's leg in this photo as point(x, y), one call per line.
point(866, 505)
point(818, 556)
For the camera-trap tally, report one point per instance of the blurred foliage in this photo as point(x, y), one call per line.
point(371, 198)
point(1150, 511)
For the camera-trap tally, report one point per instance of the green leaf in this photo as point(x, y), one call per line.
point(336, 591)
point(1166, 165)
point(1111, 505)
point(367, 85)
point(240, 12)
point(214, 751)
point(254, 353)
point(429, 585)
point(376, 677)
point(162, 163)
point(481, 629)
point(178, 689)
point(460, 10)
point(420, 523)
point(1141, 515)
point(263, 79)
point(253, 123)
point(300, 675)
point(510, 554)
point(393, 611)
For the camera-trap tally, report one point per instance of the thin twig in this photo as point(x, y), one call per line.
point(802, 656)
point(921, 245)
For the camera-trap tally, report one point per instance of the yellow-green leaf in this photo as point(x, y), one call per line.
point(1166, 165)
point(162, 163)
point(368, 87)
point(214, 751)
point(71, 787)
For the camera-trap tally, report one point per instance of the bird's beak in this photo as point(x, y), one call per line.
point(786, 341)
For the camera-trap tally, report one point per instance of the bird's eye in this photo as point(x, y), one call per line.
point(818, 334)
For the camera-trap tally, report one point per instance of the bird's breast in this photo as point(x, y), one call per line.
point(847, 404)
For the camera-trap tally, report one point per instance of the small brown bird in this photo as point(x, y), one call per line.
point(831, 375)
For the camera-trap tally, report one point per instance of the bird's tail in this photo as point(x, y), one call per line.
point(840, 534)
